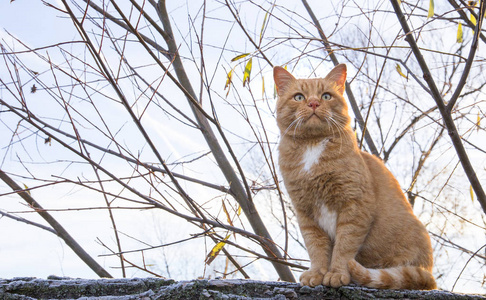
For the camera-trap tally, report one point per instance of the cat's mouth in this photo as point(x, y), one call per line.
point(314, 115)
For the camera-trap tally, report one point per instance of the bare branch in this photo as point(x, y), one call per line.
point(447, 119)
point(470, 59)
point(23, 220)
point(60, 231)
point(243, 195)
point(349, 92)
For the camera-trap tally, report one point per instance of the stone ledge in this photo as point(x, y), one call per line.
point(154, 288)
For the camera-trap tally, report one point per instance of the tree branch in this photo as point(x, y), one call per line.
point(446, 116)
point(23, 220)
point(60, 231)
point(464, 17)
point(470, 59)
point(123, 25)
point(349, 92)
point(242, 194)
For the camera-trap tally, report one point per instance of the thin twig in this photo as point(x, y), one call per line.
point(349, 92)
point(23, 220)
point(464, 18)
point(242, 194)
point(469, 61)
point(446, 116)
point(60, 231)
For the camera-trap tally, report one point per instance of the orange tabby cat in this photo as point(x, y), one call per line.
point(356, 222)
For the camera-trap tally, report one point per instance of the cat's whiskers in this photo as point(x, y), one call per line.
point(301, 118)
point(297, 122)
point(329, 124)
point(327, 183)
point(340, 129)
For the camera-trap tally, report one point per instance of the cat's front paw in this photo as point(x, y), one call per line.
point(336, 279)
point(312, 277)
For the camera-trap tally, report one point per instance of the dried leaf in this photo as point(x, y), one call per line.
point(229, 76)
point(399, 70)
point(246, 75)
point(459, 33)
point(473, 19)
point(26, 188)
point(431, 9)
point(227, 214)
point(471, 192)
point(240, 56)
point(228, 81)
point(263, 87)
point(215, 251)
point(33, 89)
point(478, 122)
point(473, 4)
point(263, 25)
point(48, 140)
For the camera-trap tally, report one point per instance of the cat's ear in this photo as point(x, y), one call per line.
point(338, 75)
point(282, 79)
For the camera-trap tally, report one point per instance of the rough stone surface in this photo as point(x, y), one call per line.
point(153, 288)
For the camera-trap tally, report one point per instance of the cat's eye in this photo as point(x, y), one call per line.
point(299, 97)
point(326, 96)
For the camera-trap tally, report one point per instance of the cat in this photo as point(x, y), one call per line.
point(356, 223)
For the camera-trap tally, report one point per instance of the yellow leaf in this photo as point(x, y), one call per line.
point(431, 9)
point(263, 87)
point(217, 248)
point(399, 2)
point(215, 251)
point(239, 210)
point(473, 19)
point(473, 4)
point(228, 81)
point(26, 189)
point(471, 192)
point(478, 122)
point(227, 214)
point(263, 26)
point(399, 70)
point(240, 56)
point(246, 75)
point(459, 33)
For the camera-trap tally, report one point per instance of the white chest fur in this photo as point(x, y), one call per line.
point(312, 154)
point(327, 221)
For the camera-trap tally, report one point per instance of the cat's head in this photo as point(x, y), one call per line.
point(311, 108)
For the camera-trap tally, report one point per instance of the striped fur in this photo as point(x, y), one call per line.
point(403, 277)
point(350, 208)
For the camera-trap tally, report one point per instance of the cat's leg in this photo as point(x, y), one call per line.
point(352, 227)
point(318, 246)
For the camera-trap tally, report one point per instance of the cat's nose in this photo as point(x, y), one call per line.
point(314, 104)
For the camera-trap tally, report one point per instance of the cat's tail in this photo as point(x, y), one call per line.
point(406, 277)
